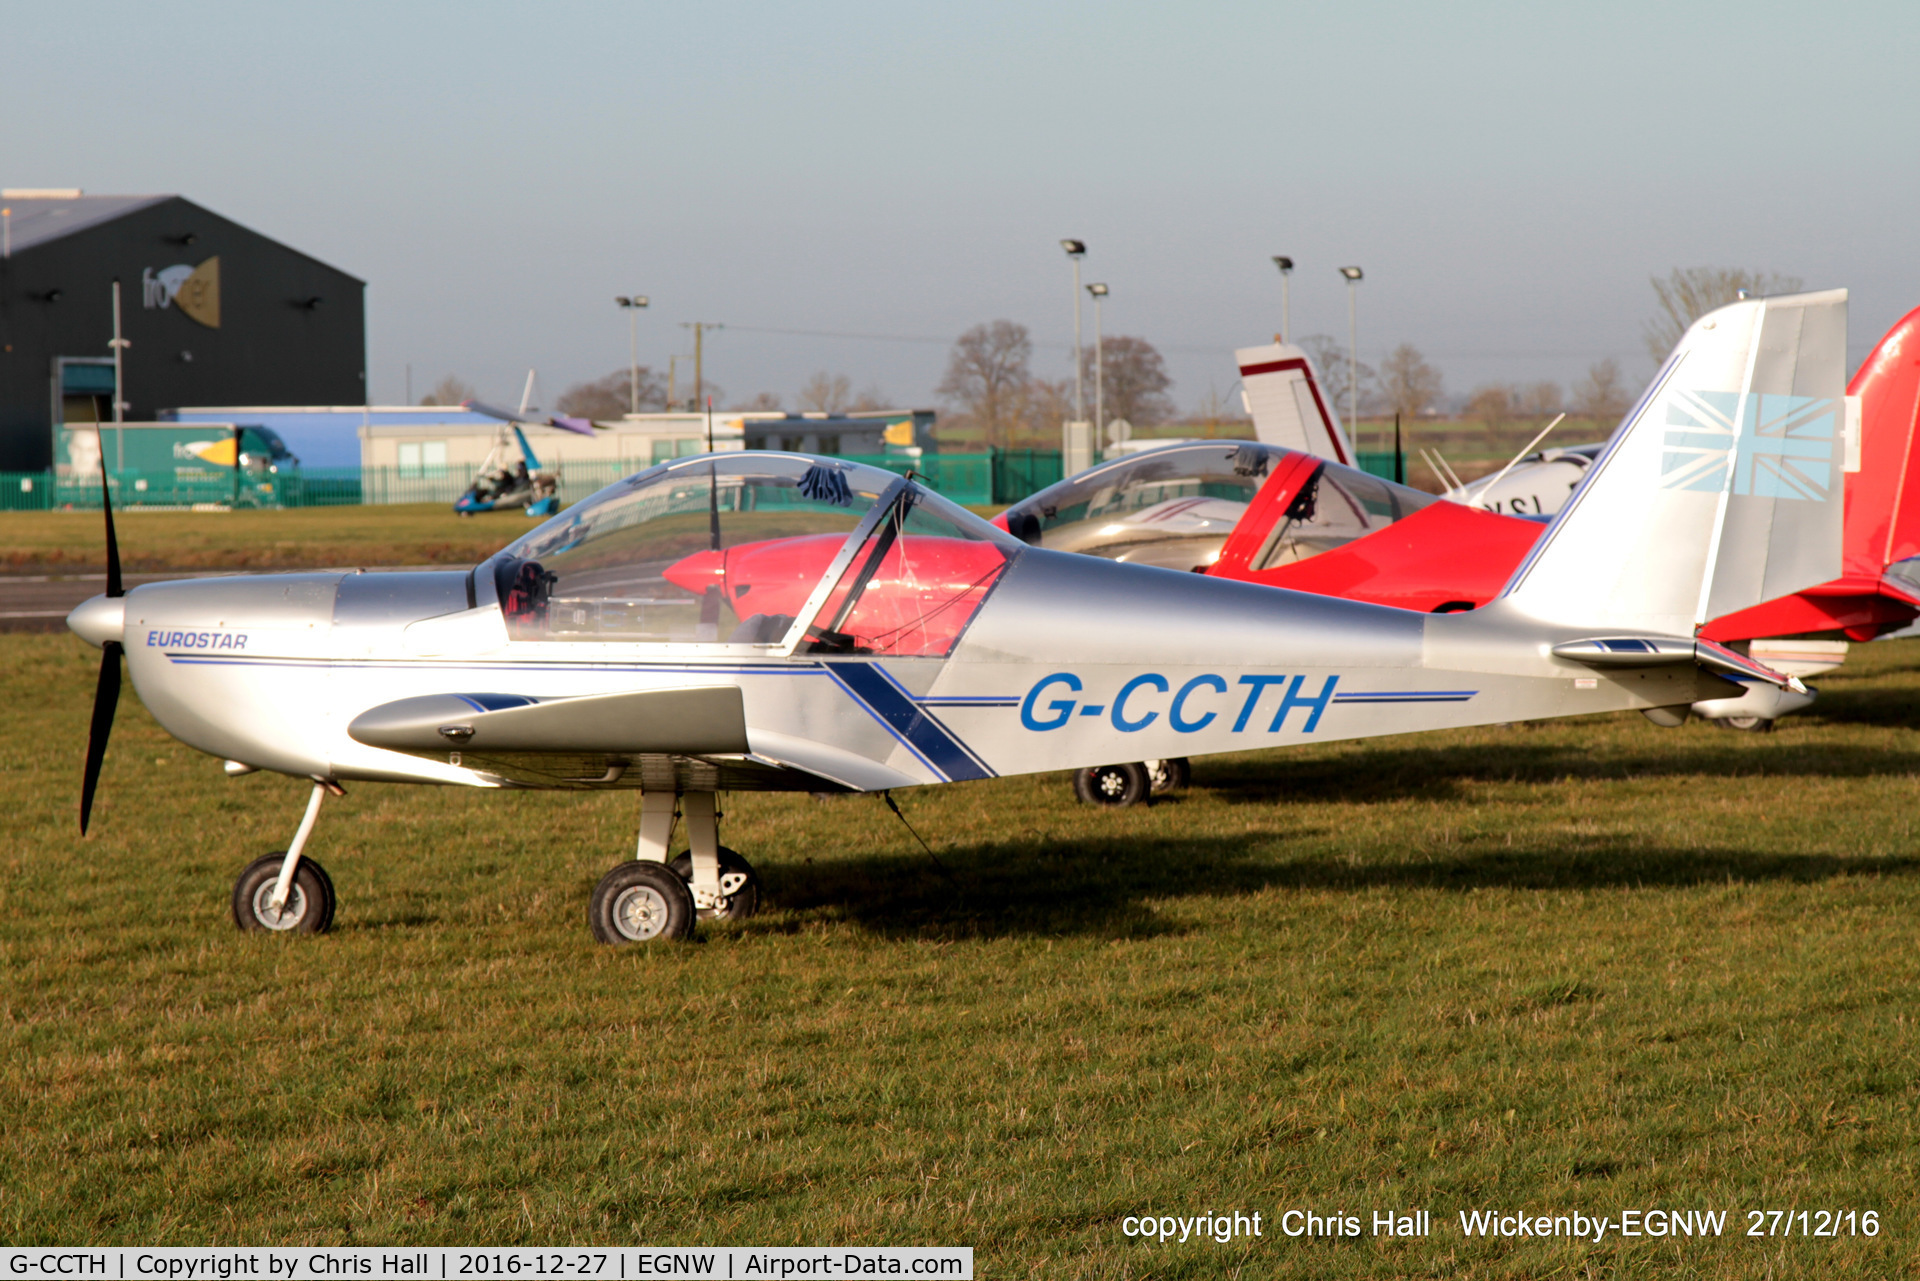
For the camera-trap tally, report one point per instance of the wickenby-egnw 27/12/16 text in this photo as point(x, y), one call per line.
point(1624, 1224)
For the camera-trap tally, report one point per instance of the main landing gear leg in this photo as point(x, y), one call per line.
point(703, 835)
point(648, 898)
point(658, 810)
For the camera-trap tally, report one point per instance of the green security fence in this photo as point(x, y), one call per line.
point(999, 476)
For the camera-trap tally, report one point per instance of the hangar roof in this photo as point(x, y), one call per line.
point(37, 219)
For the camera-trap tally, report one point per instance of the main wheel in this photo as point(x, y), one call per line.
point(1114, 786)
point(309, 907)
point(1170, 775)
point(638, 902)
point(1751, 724)
point(739, 886)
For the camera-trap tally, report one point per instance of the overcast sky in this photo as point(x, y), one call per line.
point(1509, 176)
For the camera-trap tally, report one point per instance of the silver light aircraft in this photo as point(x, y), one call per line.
point(778, 621)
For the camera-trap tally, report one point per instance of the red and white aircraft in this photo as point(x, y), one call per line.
point(1300, 518)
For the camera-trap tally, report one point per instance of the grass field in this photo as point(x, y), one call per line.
point(1587, 965)
point(305, 538)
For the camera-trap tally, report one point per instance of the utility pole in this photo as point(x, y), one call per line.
point(699, 328)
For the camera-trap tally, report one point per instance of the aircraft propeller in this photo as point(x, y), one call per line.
point(106, 696)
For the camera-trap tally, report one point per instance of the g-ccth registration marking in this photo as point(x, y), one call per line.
point(1191, 708)
point(197, 640)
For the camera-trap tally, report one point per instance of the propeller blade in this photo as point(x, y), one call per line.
point(105, 699)
point(113, 544)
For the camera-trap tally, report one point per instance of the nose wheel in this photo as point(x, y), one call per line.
point(288, 893)
point(309, 903)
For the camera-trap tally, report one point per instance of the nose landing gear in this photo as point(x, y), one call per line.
point(286, 893)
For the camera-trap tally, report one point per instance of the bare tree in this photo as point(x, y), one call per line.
point(759, 401)
point(1408, 384)
point(1540, 400)
point(826, 393)
point(1329, 356)
point(1044, 405)
point(1602, 395)
point(871, 397)
point(1494, 405)
point(987, 372)
point(450, 391)
point(605, 399)
point(1689, 293)
point(1136, 380)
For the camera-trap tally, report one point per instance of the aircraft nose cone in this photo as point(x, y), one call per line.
point(102, 619)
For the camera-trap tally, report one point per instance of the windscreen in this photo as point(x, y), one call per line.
point(723, 548)
point(1171, 507)
point(914, 584)
point(1332, 508)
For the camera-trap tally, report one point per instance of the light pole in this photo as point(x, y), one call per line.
point(1076, 250)
point(1285, 264)
point(119, 345)
point(633, 306)
point(1099, 293)
point(1353, 276)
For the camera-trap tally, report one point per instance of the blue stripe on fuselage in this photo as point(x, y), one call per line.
point(894, 708)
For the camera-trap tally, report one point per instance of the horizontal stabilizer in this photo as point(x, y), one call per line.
point(1658, 651)
point(710, 720)
point(1723, 488)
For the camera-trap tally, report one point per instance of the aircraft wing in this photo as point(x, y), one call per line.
point(562, 421)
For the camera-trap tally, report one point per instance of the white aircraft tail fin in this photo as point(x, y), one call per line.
point(1722, 489)
point(1288, 404)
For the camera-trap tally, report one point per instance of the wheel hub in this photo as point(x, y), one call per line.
point(286, 918)
point(640, 913)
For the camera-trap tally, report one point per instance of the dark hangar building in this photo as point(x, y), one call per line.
point(214, 314)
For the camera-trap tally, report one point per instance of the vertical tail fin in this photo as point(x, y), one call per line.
point(1288, 405)
point(1723, 488)
point(1883, 500)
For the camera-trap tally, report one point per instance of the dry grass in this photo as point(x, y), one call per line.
point(305, 538)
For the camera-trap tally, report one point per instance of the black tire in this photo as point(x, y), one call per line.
point(1169, 776)
point(640, 902)
point(737, 906)
point(310, 899)
point(1112, 786)
point(1748, 724)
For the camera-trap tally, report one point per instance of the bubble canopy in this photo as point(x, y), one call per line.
point(755, 549)
point(1176, 506)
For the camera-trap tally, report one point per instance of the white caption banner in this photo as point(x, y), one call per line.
point(372, 1263)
